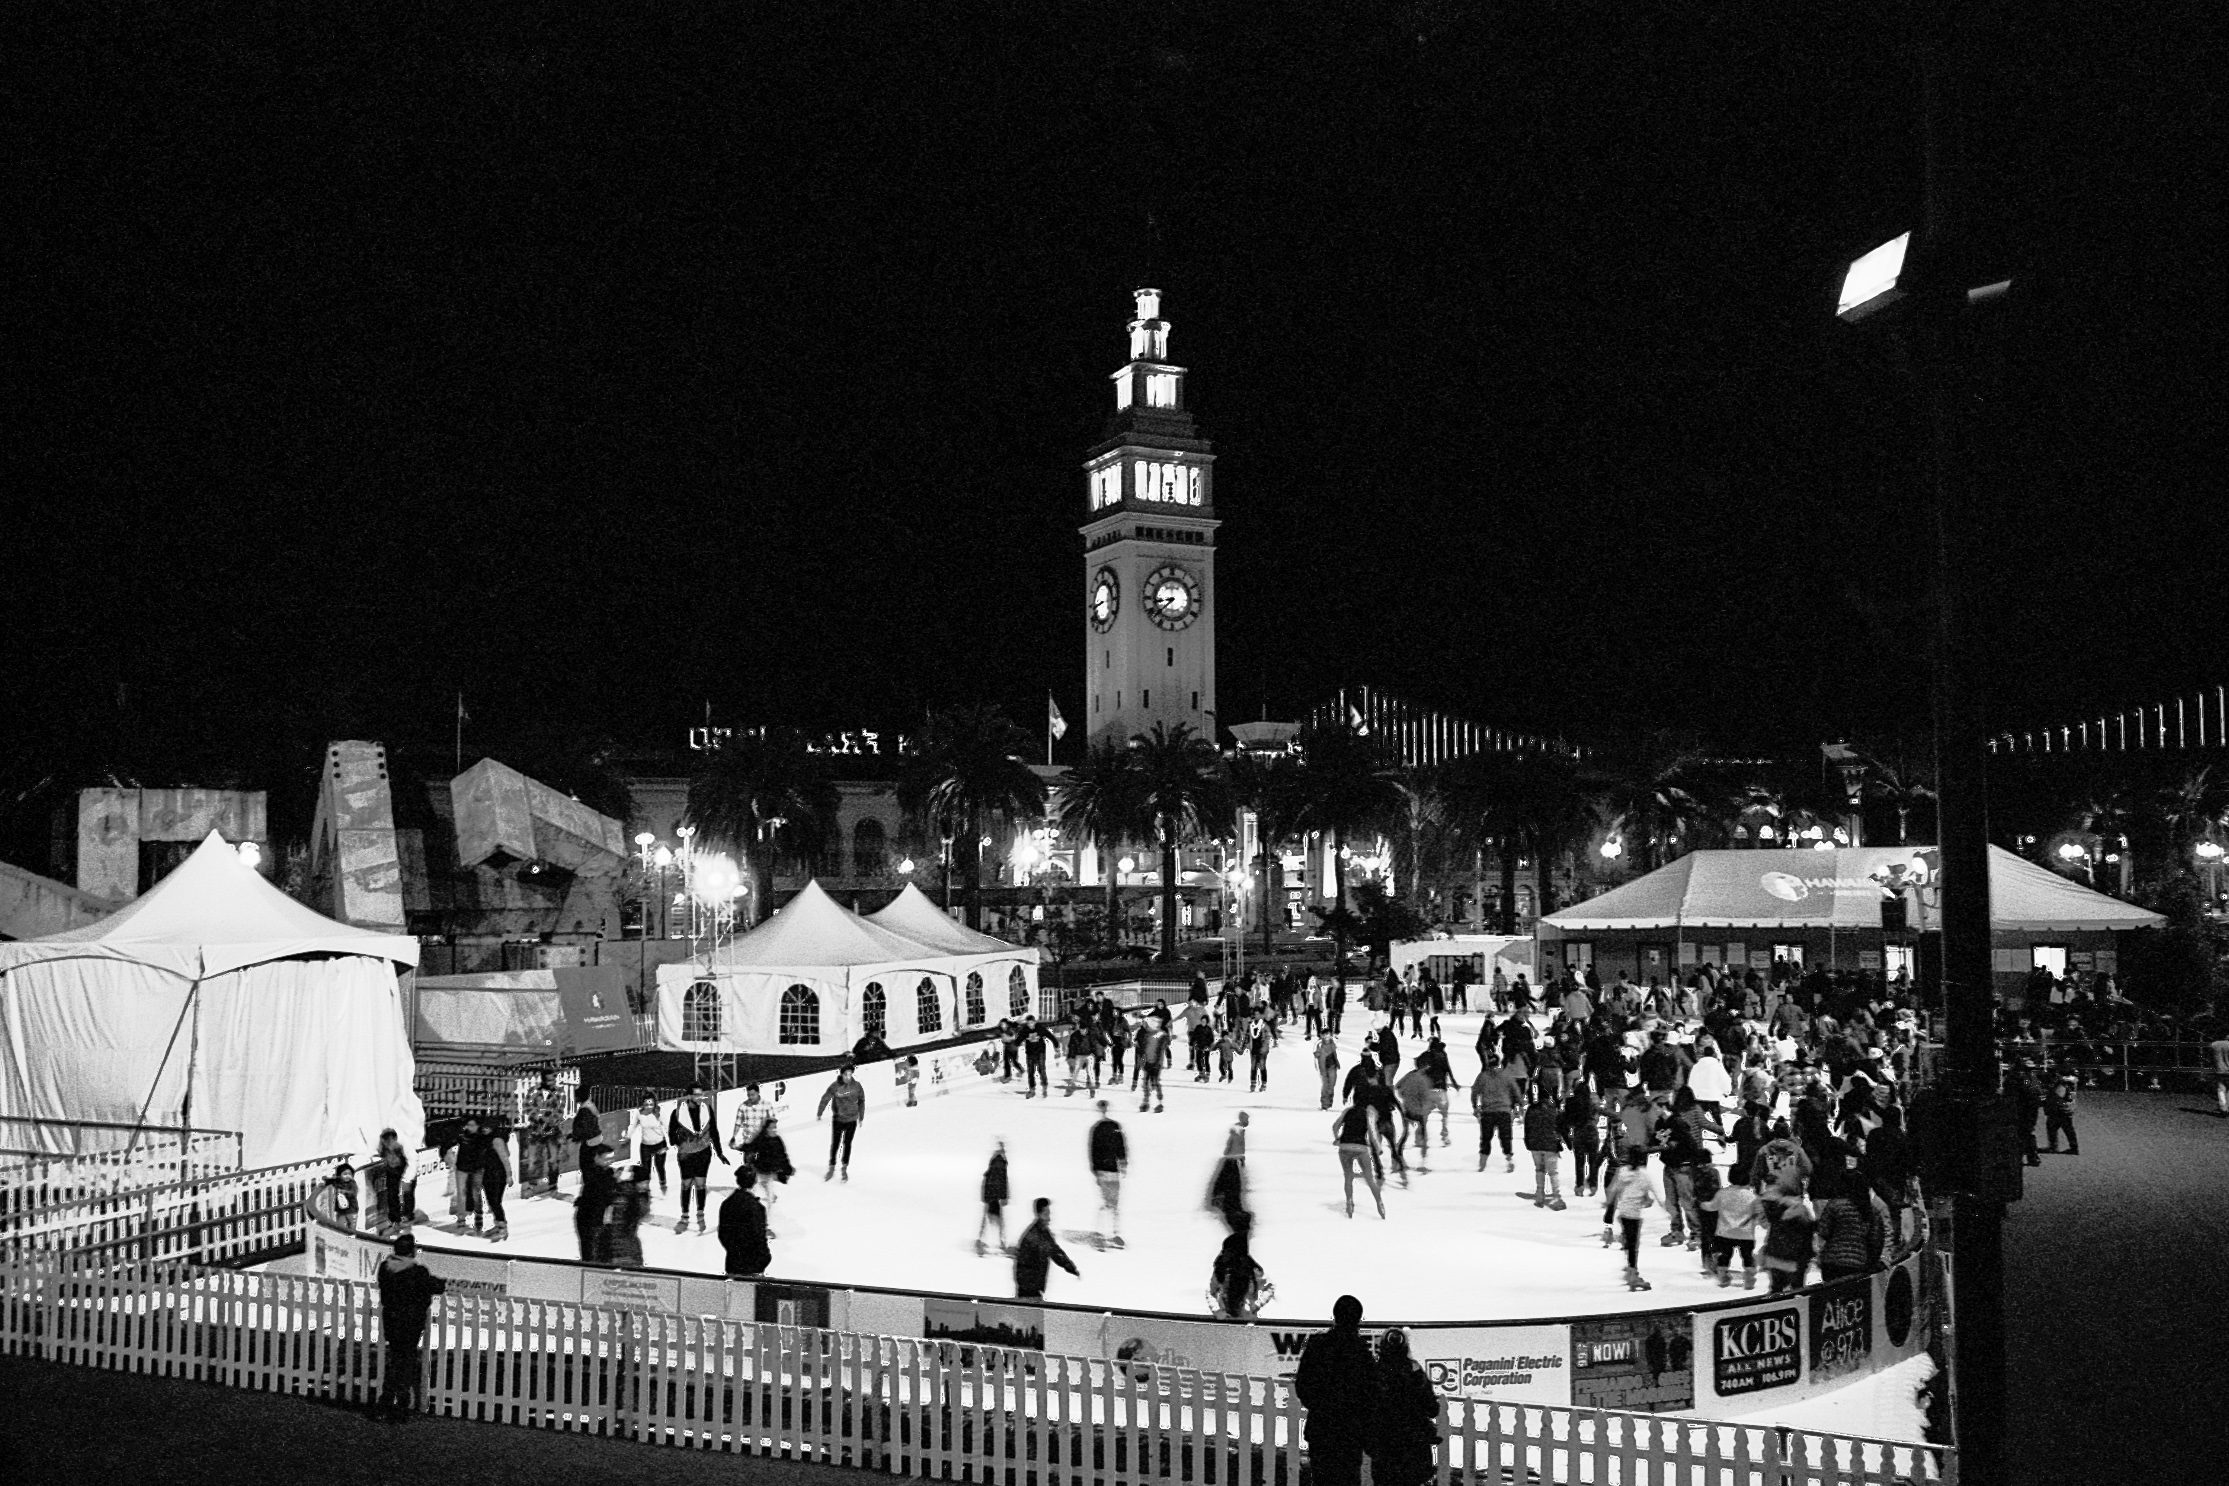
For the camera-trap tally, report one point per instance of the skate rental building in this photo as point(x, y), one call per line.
point(1852, 908)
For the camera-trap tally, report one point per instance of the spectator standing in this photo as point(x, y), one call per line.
point(630, 1203)
point(2058, 1115)
point(1406, 1435)
point(1037, 1252)
point(1337, 1383)
point(743, 1230)
point(406, 1292)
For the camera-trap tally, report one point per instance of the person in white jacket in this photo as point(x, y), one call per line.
point(646, 1127)
point(1711, 1084)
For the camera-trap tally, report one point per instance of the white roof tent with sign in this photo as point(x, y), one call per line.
point(816, 977)
point(1842, 906)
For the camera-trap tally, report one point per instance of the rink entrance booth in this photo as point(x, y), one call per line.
point(148, 1279)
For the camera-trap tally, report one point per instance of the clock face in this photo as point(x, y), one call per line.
point(1172, 597)
point(1106, 599)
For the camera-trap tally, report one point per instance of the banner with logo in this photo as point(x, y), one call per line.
point(1640, 1362)
point(1812, 1341)
point(1505, 1364)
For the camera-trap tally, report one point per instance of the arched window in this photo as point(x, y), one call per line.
point(870, 849)
point(975, 1013)
point(800, 1016)
point(874, 1011)
point(1017, 993)
point(928, 1011)
point(700, 1013)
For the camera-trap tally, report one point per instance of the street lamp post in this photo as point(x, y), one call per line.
point(2209, 854)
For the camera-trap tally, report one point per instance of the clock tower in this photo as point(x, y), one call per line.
point(1149, 551)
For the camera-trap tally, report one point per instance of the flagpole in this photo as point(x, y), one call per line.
point(1048, 730)
point(460, 733)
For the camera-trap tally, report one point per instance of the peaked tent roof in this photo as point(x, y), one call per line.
point(1841, 889)
point(913, 915)
point(814, 929)
point(213, 914)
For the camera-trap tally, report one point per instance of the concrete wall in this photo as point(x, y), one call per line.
point(111, 823)
point(32, 907)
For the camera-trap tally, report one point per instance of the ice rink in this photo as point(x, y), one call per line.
point(1456, 1243)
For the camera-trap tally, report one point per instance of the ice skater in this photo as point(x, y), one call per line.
point(1544, 1140)
point(1357, 1139)
point(1632, 1193)
point(647, 1128)
point(1226, 1192)
point(849, 1100)
point(1152, 1043)
point(1037, 1253)
point(1258, 1035)
point(994, 1192)
point(1110, 1160)
point(1327, 1065)
point(694, 1131)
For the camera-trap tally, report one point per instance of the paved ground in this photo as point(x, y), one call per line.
point(2117, 1284)
point(2119, 1278)
point(63, 1425)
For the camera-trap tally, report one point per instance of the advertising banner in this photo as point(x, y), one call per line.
point(631, 1290)
point(1644, 1362)
point(996, 1327)
point(596, 1014)
point(1505, 1364)
point(1841, 1343)
point(790, 1305)
point(1756, 1348)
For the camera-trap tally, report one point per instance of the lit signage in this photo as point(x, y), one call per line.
point(859, 741)
point(1166, 484)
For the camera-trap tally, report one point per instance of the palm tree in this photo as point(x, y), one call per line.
point(2191, 808)
point(1348, 788)
point(765, 795)
point(1272, 785)
point(2110, 814)
point(1184, 788)
point(1657, 794)
point(1553, 811)
point(969, 775)
point(1104, 799)
point(1902, 786)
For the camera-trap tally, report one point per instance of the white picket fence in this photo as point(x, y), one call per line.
point(238, 1217)
point(901, 1405)
point(29, 1179)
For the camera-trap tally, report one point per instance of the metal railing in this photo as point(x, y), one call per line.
point(241, 1217)
point(901, 1405)
point(498, 1091)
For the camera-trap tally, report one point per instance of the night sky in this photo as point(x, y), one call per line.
point(601, 363)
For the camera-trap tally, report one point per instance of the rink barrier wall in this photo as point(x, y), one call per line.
point(1714, 1361)
point(949, 1408)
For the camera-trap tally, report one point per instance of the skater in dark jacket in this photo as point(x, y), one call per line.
point(1581, 1127)
point(994, 1193)
point(1544, 1139)
point(743, 1227)
point(1037, 1253)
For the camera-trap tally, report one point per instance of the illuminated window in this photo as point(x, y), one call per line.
point(1160, 390)
point(1122, 389)
point(975, 1012)
point(799, 1019)
point(700, 1013)
point(870, 849)
point(874, 1011)
point(1017, 993)
point(928, 1011)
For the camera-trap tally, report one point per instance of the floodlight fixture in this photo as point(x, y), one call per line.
point(1870, 284)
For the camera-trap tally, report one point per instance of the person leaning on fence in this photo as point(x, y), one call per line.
point(1337, 1383)
point(406, 1292)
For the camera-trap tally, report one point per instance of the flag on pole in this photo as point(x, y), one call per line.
point(1054, 722)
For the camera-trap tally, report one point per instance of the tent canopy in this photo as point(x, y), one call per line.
point(915, 917)
point(813, 929)
point(212, 915)
point(1840, 889)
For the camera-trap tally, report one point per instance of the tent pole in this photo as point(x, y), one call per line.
point(185, 1109)
point(140, 1124)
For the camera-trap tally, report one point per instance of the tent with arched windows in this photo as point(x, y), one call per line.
point(816, 977)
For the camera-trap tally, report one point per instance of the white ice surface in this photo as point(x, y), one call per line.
point(1457, 1244)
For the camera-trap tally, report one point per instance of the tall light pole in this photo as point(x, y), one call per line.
point(1971, 1139)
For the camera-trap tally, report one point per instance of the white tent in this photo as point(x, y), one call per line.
point(816, 976)
point(1840, 889)
point(214, 996)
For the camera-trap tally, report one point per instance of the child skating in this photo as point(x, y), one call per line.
point(1632, 1193)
